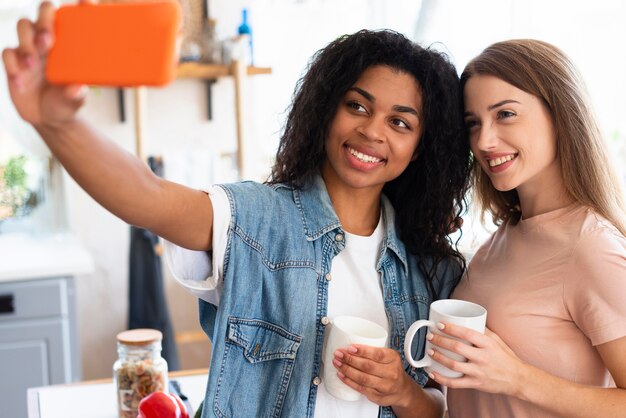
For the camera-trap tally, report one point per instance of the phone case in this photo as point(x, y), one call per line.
point(120, 44)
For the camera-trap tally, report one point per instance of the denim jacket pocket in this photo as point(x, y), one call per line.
point(257, 364)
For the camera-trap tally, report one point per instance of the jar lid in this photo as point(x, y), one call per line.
point(139, 336)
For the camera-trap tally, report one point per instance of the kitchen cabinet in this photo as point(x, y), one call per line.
point(38, 331)
point(38, 340)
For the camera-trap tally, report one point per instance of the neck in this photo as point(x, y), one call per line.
point(358, 210)
point(543, 195)
point(358, 216)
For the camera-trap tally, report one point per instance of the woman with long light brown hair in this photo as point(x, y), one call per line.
point(553, 276)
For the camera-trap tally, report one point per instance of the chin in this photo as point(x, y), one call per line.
point(503, 187)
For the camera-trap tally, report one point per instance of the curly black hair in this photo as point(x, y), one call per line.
point(429, 195)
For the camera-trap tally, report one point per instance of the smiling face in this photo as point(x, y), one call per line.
point(375, 132)
point(511, 135)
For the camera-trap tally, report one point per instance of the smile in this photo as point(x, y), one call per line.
point(501, 160)
point(364, 157)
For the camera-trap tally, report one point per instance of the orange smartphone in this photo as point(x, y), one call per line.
point(115, 44)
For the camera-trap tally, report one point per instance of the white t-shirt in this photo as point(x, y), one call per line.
point(354, 288)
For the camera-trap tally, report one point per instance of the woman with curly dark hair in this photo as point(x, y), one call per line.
point(430, 192)
point(370, 172)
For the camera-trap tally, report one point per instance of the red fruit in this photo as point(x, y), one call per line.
point(162, 405)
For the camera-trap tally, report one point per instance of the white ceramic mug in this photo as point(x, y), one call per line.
point(342, 332)
point(454, 311)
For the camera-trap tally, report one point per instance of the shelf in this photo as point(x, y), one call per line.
point(209, 73)
point(214, 71)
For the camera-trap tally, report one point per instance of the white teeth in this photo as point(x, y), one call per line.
point(363, 157)
point(500, 160)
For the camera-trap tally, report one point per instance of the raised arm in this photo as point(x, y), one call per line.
point(119, 181)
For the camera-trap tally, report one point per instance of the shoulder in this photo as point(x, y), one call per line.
point(598, 239)
point(598, 261)
point(249, 188)
point(598, 258)
point(262, 207)
point(256, 196)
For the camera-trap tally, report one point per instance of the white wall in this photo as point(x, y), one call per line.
point(287, 33)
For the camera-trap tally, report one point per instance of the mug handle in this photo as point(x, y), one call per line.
point(408, 341)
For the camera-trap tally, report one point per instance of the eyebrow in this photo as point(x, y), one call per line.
point(495, 105)
point(502, 103)
point(397, 108)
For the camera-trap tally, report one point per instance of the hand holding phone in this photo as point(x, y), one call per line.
point(118, 44)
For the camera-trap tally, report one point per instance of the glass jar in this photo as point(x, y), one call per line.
point(139, 369)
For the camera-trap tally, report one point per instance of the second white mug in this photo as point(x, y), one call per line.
point(454, 311)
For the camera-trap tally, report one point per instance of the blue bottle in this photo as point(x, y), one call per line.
point(244, 29)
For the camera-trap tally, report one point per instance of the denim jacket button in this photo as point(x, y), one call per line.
point(339, 237)
point(328, 277)
point(317, 381)
point(325, 320)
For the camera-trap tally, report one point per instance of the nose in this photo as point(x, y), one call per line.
point(484, 138)
point(373, 128)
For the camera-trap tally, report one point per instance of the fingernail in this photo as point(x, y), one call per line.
point(341, 375)
point(337, 363)
point(431, 352)
point(429, 336)
point(441, 325)
point(432, 376)
point(352, 349)
point(338, 354)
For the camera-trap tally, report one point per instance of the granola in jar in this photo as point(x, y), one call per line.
point(139, 370)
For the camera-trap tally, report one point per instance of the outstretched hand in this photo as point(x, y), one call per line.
point(377, 373)
point(37, 101)
point(491, 365)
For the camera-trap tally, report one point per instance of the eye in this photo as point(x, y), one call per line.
point(356, 106)
point(400, 123)
point(503, 114)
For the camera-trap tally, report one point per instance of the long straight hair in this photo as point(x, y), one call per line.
point(543, 70)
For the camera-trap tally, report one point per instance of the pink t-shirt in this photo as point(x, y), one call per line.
point(554, 286)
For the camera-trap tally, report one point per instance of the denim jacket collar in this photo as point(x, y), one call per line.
point(319, 217)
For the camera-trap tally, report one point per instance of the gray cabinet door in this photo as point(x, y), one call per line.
point(37, 340)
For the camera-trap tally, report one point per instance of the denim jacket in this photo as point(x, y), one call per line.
point(268, 330)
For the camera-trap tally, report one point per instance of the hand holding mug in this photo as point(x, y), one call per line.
point(378, 373)
point(459, 312)
point(491, 364)
point(345, 331)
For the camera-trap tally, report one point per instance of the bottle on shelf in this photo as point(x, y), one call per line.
point(245, 30)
